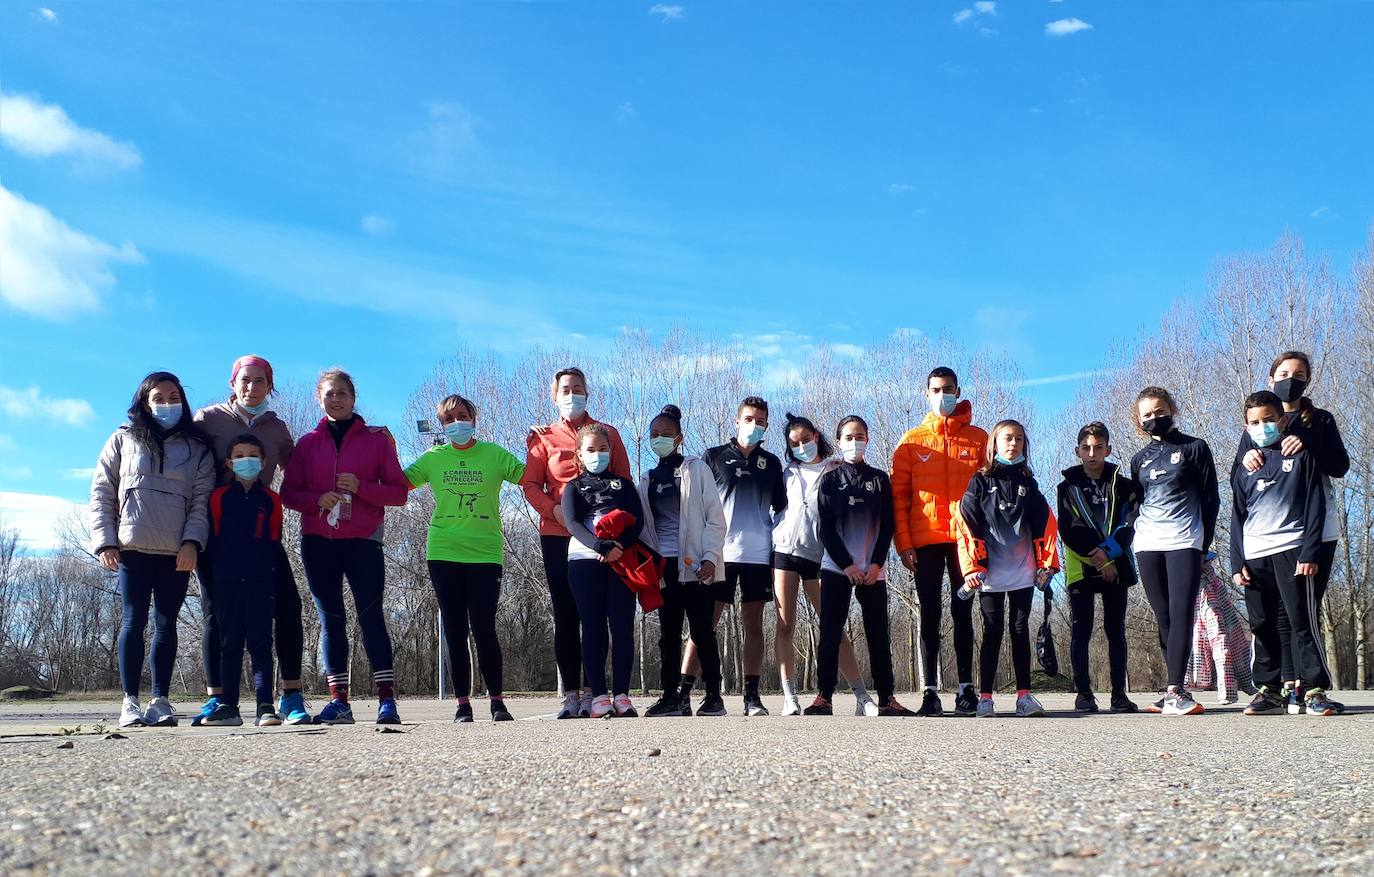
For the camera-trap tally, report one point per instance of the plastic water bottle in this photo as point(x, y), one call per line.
point(966, 593)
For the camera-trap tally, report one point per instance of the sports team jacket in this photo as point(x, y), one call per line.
point(1179, 479)
point(1322, 439)
point(855, 509)
point(1084, 509)
point(931, 469)
point(1006, 529)
point(1279, 507)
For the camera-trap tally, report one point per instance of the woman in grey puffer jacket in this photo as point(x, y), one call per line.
point(149, 519)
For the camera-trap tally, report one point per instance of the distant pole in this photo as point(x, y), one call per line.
point(439, 626)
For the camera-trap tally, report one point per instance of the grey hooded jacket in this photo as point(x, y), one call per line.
point(141, 501)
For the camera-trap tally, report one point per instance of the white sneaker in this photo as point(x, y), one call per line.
point(130, 714)
point(160, 713)
point(1181, 703)
point(572, 705)
point(600, 707)
point(1027, 707)
point(985, 708)
point(864, 706)
point(584, 709)
point(791, 706)
point(624, 709)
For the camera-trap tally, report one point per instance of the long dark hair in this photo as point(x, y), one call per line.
point(823, 448)
point(146, 430)
point(990, 450)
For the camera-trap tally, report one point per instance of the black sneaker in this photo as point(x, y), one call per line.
point(684, 703)
point(224, 714)
point(966, 701)
point(463, 713)
point(499, 713)
point(667, 705)
point(819, 707)
point(1266, 703)
point(711, 705)
point(1085, 702)
point(930, 705)
point(753, 705)
point(1123, 704)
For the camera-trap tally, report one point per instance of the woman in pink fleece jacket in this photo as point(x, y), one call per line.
point(342, 476)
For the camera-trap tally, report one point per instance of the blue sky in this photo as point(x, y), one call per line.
point(370, 184)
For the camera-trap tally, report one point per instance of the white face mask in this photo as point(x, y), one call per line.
point(943, 404)
point(572, 405)
point(853, 450)
point(806, 452)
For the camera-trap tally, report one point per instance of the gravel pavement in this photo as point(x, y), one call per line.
point(1105, 794)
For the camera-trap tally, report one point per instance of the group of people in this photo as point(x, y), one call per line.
point(177, 490)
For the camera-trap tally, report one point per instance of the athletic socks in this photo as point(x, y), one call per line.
point(685, 687)
point(290, 691)
point(1022, 692)
point(788, 692)
point(338, 686)
point(386, 684)
point(463, 701)
point(860, 691)
point(751, 686)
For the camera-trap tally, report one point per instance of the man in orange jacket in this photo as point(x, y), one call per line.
point(931, 469)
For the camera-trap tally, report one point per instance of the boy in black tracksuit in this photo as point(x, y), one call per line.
point(1276, 534)
point(245, 540)
point(1098, 505)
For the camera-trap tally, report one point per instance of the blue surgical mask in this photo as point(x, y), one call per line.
point(806, 452)
point(257, 409)
point(460, 432)
point(572, 406)
point(1015, 461)
point(1264, 434)
point(596, 462)
point(944, 403)
point(247, 468)
point(750, 434)
point(167, 415)
point(663, 445)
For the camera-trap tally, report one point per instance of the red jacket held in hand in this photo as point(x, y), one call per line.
point(639, 568)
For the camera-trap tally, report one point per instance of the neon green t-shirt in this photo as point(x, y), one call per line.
point(466, 525)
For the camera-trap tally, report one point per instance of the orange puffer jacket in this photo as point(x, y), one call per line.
point(931, 469)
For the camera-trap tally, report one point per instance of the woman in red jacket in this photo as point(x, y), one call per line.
point(342, 476)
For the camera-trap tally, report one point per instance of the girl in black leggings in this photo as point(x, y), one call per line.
point(1178, 519)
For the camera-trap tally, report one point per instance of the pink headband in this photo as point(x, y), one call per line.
point(248, 360)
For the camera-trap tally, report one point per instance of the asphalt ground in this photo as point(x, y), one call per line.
point(1218, 793)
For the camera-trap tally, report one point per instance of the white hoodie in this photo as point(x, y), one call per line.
point(701, 528)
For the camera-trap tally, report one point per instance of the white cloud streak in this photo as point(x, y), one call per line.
point(30, 403)
point(1065, 26)
point(39, 130)
point(668, 12)
point(52, 270)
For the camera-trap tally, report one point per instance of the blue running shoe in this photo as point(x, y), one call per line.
point(291, 708)
point(387, 713)
point(205, 711)
point(336, 712)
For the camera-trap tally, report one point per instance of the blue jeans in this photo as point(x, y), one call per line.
point(244, 607)
point(327, 562)
point(144, 579)
point(604, 600)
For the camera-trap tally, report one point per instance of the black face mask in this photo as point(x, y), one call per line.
point(1290, 389)
point(1158, 426)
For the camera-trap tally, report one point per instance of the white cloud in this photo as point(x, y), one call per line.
point(853, 351)
point(52, 270)
point(962, 16)
point(985, 8)
point(377, 225)
point(668, 12)
point(1321, 211)
point(899, 188)
point(988, 31)
point(1064, 378)
point(45, 15)
point(1065, 26)
point(41, 130)
point(83, 474)
point(32, 403)
point(37, 518)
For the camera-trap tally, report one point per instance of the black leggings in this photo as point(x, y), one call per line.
point(468, 594)
point(1171, 580)
point(993, 608)
point(933, 562)
point(290, 632)
point(1082, 609)
point(696, 603)
point(836, 592)
point(1326, 557)
point(567, 624)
